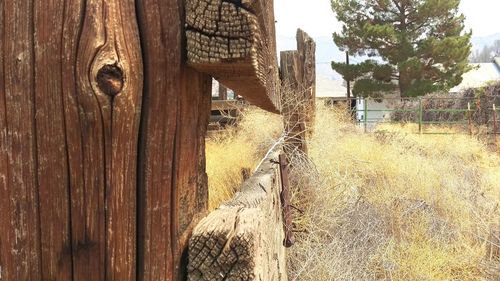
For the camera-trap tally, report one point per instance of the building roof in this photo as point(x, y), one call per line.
point(497, 61)
point(479, 77)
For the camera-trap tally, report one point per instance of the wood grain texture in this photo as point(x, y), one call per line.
point(234, 41)
point(70, 148)
point(19, 220)
point(191, 186)
point(294, 105)
point(87, 184)
point(298, 76)
point(173, 185)
point(162, 66)
point(51, 147)
point(102, 139)
point(306, 48)
point(243, 239)
point(111, 122)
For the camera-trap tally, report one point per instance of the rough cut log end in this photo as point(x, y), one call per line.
point(234, 41)
point(243, 239)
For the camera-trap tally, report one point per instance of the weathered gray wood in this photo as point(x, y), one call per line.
point(307, 58)
point(81, 139)
point(294, 104)
point(298, 75)
point(234, 41)
point(172, 187)
point(243, 239)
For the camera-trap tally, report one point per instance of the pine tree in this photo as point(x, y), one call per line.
point(421, 44)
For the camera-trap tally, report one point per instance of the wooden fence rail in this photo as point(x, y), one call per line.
point(244, 238)
point(235, 42)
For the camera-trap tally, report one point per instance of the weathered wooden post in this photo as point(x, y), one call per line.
point(298, 74)
point(293, 102)
point(172, 190)
point(307, 54)
point(72, 87)
point(102, 128)
point(495, 126)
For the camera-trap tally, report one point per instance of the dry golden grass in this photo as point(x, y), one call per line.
point(395, 206)
point(231, 153)
point(383, 206)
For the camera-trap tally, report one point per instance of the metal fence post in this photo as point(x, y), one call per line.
point(365, 113)
point(420, 115)
point(494, 123)
point(469, 116)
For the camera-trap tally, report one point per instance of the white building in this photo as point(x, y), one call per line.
point(479, 76)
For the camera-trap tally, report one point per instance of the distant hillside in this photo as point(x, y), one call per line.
point(478, 43)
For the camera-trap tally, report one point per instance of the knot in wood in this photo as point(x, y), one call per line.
point(237, 3)
point(110, 79)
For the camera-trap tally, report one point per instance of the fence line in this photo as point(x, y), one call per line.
point(425, 114)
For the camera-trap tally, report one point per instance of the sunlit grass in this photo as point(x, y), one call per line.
point(233, 153)
point(389, 205)
point(392, 205)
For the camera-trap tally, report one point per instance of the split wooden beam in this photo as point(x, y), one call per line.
point(234, 41)
point(244, 238)
point(298, 76)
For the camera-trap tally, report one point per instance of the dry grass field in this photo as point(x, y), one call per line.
point(382, 206)
point(234, 152)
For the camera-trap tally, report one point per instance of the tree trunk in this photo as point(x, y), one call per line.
point(404, 83)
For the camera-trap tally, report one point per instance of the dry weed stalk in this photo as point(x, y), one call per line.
point(384, 206)
point(394, 206)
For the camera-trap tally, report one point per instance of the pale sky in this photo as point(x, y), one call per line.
point(317, 18)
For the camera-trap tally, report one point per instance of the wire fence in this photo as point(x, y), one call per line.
point(432, 115)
